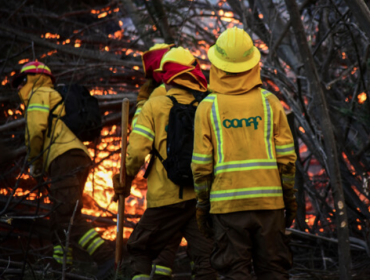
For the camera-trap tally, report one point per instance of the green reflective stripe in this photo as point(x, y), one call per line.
point(59, 250)
point(268, 123)
point(242, 165)
point(38, 107)
point(216, 123)
point(209, 98)
point(200, 187)
point(254, 192)
point(34, 67)
point(266, 92)
point(141, 277)
point(59, 259)
point(288, 178)
point(94, 245)
point(162, 270)
point(87, 237)
point(143, 131)
point(138, 111)
point(285, 149)
point(201, 159)
point(162, 85)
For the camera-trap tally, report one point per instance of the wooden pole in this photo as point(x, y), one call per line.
point(121, 199)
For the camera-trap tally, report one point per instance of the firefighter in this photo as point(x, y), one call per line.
point(153, 87)
point(166, 213)
point(65, 160)
point(243, 165)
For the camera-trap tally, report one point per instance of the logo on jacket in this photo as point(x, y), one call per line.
point(242, 122)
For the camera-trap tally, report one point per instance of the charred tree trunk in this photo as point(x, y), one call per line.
point(329, 142)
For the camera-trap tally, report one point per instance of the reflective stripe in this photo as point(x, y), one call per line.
point(268, 123)
point(245, 165)
point(288, 178)
point(215, 118)
point(59, 259)
point(135, 117)
point(38, 107)
point(87, 237)
point(201, 159)
point(141, 277)
point(200, 187)
point(209, 98)
point(285, 149)
point(143, 131)
point(162, 85)
point(94, 245)
point(246, 193)
point(162, 270)
point(59, 250)
point(34, 67)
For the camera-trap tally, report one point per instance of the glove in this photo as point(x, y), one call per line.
point(287, 174)
point(204, 220)
point(146, 89)
point(36, 170)
point(290, 206)
point(121, 189)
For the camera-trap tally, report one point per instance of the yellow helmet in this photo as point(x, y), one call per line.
point(177, 55)
point(234, 51)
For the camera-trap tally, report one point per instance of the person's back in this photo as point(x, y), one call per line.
point(65, 160)
point(167, 213)
point(242, 143)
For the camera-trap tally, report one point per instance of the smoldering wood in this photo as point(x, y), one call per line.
point(338, 41)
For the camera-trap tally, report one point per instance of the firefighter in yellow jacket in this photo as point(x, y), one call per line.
point(243, 165)
point(167, 213)
point(66, 161)
point(153, 87)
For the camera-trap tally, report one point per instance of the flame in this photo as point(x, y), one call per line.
point(102, 15)
point(136, 67)
point(301, 129)
point(260, 16)
point(22, 61)
point(50, 36)
point(5, 81)
point(362, 97)
point(344, 55)
point(77, 43)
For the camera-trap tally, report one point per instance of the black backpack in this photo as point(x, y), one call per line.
point(82, 112)
point(180, 142)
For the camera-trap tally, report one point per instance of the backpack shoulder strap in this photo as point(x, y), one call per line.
point(173, 99)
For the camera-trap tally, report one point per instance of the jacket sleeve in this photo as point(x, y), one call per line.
point(141, 140)
point(36, 124)
point(284, 145)
point(139, 107)
point(202, 160)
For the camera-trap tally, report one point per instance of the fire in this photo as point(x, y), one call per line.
point(50, 36)
point(344, 55)
point(102, 15)
point(362, 97)
point(136, 68)
point(5, 81)
point(23, 61)
point(77, 43)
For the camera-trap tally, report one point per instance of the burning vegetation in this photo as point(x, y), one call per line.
point(99, 44)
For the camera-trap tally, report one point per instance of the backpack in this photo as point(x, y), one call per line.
point(180, 142)
point(82, 112)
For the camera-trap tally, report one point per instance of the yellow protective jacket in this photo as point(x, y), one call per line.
point(241, 134)
point(158, 91)
point(149, 130)
point(39, 98)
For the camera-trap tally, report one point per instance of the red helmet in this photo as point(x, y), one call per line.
point(33, 67)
